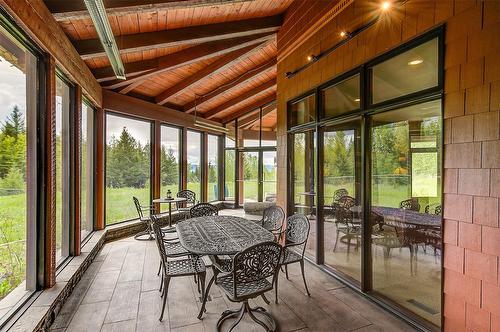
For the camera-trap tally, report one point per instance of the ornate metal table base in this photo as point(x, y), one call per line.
point(266, 320)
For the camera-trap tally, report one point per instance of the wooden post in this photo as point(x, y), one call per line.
point(50, 208)
point(156, 160)
point(99, 169)
point(204, 167)
point(76, 170)
point(184, 158)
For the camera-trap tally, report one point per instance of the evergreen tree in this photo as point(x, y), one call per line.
point(14, 124)
point(169, 167)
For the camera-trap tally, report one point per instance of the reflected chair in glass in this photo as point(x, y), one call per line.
point(296, 235)
point(249, 278)
point(190, 197)
point(348, 226)
point(203, 210)
point(272, 220)
point(437, 209)
point(339, 193)
point(410, 204)
point(150, 210)
point(179, 267)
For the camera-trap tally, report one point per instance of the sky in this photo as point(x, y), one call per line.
point(12, 89)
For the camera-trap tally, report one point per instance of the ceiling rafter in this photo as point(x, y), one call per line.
point(194, 54)
point(64, 10)
point(246, 77)
point(240, 98)
point(256, 104)
point(214, 68)
point(90, 48)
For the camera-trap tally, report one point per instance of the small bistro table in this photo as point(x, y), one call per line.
point(169, 202)
point(219, 236)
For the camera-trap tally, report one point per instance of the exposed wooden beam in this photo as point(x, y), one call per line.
point(249, 121)
point(194, 54)
point(256, 104)
point(90, 48)
point(212, 69)
point(148, 68)
point(247, 76)
point(241, 98)
point(64, 10)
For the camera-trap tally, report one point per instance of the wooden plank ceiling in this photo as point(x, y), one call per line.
point(213, 57)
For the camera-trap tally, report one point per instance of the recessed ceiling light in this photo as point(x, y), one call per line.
point(343, 34)
point(415, 62)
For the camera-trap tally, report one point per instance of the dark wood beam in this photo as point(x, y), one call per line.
point(90, 48)
point(241, 98)
point(256, 104)
point(247, 76)
point(215, 67)
point(194, 54)
point(64, 10)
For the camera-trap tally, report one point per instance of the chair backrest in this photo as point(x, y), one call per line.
point(189, 195)
point(138, 207)
point(255, 263)
point(410, 204)
point(203, 210)
point(438, 210)
point(343, 215)
point(347, 202)
point(272, 218)
point(155, 225)
point(297, 229)
point(339, 193)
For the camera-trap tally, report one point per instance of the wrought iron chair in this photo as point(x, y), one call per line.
point(248, 279)
point(346, 201)
point(190, 197)
point(190, 266)
point(150, 210)
point(347, 225)
point(203, 210)
point(272, 220)
point(410, 204)
point(437, 210)
point(296, 235)
point(339, 193)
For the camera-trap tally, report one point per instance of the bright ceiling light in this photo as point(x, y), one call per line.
point(343, 34)
point(385, 5)
point(357, 100)
point(101, 23)
point(415, 62)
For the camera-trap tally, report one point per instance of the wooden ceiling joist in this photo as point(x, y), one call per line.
point(214, 68)
point(256, 104)
point(193, 54)
point(241, 98)
point(64, 10)
point(91, 48)
point(247, 76)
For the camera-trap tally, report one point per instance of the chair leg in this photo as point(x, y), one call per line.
point(167, 282)
point(265, 299)
point(159, 268)
point(304, 276)
point(201, 278)
point(336, 240)
point(276, 290)
point(238, 320)
point(286, 272)
point(205, 296)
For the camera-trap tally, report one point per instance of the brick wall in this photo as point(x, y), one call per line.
point(471, 130)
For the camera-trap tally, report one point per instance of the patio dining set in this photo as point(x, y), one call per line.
point(245, 256)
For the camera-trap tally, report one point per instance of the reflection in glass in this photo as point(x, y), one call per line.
point(170, 165)
point(213, 167)
point(249, 177)
point(304, 188)
point(87, 169)
point(62, 168)
point(18, 108)
point(406, 202)
point(390, 79)
point(269, 168)
point(342, 98)
point(342, 211)
point(302, 111)
point(229, 173)
point(128, 165)
point(194, 162)
point(231, 134)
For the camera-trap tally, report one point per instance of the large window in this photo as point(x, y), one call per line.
point(213, 167)
point(87, 170)
point(302, 111)
point(230, 163)
point(341, 98)
point(63, 104)
point(194, 153)
point(128, 166)
point(170, 161)
point(18, 183)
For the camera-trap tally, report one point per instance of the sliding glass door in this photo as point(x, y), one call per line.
point(257, 176)
point(342, 213)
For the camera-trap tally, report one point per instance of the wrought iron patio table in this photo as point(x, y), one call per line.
point(169, 201)
point(218, 236)
point(421, 220)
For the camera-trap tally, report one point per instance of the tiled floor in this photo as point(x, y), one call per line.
point(119, 292)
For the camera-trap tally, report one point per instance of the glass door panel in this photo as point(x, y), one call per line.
point(249, 177)
point(342, 201)
point(406, 201)
point(269, 168)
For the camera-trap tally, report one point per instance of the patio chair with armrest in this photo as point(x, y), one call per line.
point(190, 197)
point(410, 204)
point(203, 210)
point(272, 220)
point(150, 210)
